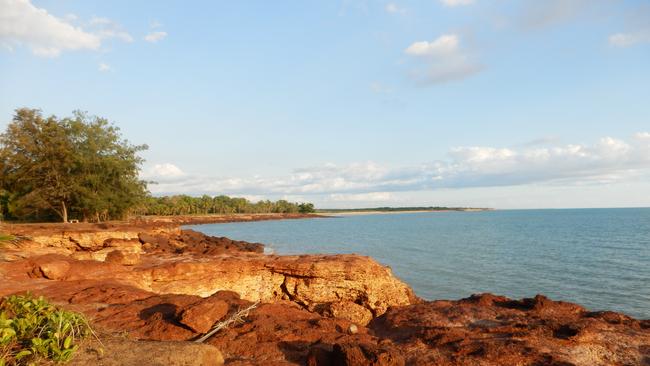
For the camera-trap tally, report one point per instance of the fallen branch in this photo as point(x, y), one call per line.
point(236, 318)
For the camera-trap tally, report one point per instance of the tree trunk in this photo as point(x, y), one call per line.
point(64, 212)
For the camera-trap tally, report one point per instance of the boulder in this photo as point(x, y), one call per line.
point(123, 258)
point(202, 315)
point(55, 270)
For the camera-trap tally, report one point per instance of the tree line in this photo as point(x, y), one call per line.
point(205, 205)
point(81, 168)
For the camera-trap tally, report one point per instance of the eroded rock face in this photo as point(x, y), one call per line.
point(350, 286)
point(494, 330)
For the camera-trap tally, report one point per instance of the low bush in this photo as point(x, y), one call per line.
point(32, 330)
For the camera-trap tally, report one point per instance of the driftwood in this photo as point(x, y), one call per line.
point(236, 318)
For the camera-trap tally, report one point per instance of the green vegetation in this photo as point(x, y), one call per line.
point(77, 167)
point(187, 205)
point(32, 330)
point(80, 168)
point(6, 238)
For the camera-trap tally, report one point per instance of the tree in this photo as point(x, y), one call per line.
point(79, 165)
point(306, 208)
point(37, 159)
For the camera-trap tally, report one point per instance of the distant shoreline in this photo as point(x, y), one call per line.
point(387, 211)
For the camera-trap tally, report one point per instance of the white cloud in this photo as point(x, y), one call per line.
point(442, 60)
point(629, 39)
point(163, 172)
point(361, 197)
point(394, 9)
point(154, 37)
point(106, 29)
point(606, 161)
point(443, 46)
point(380, 88)
point(452, 3)
point(21, 23)
point(104, 67)
point(642, 136)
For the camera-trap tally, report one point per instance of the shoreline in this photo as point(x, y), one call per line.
point(145, 223)
point(155, 281)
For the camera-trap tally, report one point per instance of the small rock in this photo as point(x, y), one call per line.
point(55, 270)
point(366, 354)
point(202, 315)
point(348, 310)
point(353, 329)
point(125, 259)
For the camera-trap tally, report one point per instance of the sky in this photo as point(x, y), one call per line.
point(352, 103)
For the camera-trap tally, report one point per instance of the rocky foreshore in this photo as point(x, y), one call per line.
point(146, 282)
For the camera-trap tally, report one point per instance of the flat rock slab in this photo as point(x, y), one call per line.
point(118, 352)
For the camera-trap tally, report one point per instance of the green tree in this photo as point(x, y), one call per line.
point(79, 165)
point(37, 161)
point(306, 208)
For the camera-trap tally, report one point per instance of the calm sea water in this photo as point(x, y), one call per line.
point(599, 258)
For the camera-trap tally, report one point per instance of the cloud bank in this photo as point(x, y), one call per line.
point(608, 160)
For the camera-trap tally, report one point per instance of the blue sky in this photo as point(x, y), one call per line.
point(507, 104)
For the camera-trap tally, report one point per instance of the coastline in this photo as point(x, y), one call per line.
point(158, 282)
point(362, 212)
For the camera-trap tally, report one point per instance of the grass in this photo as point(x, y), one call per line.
point(33, 331)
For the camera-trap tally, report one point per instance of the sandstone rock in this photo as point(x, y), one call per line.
point(347, 310)
point(365, 354)
point(152, 239)
point(310, 281)
point(123, 258)
point(190, 241)
point(283, 333)
point(494, 330)
point(127, 246)
point(202, 315)
point(122, 352)
point(55, 270)
point(95, 239)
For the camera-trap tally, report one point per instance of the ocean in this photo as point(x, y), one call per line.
point(599, 258)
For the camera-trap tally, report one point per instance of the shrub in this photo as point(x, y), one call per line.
point(31, 329)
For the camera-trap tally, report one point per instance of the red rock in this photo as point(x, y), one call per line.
point(120, 257)
point(202, 315)
point(493, 330)
point(346, 310)
point(55, 270)
point(365, 354)
point(309, 305)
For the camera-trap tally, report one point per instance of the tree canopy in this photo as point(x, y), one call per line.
point(187, 205)
point(75, 167)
